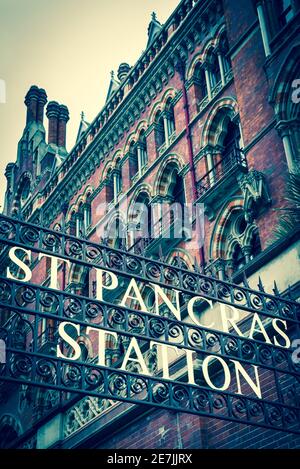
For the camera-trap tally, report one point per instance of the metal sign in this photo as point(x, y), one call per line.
point(243, 371)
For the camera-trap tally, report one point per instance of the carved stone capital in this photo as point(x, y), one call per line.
point(256, 194)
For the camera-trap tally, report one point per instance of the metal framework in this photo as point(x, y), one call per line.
point(30, 362)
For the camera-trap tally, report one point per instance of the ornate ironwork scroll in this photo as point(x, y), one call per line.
point(31, 355)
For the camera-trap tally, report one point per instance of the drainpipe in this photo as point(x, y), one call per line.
point(181, 70)
point(64, 211)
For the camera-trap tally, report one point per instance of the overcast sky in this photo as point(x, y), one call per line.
point(67, 47)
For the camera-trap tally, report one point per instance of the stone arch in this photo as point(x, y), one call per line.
point(117, 157)
point(170, 93)
point(184, 255)
point(131, 138)
point(219, 33)
point(208, 48)
point(25, 177)
point(218, 237)
point(162, 181)
point(280, 98)
point(250, 232)
point(107, 168)
point(116, 230)
point(141, 188)
point(197, 59)
point(143, 125)
point(215, 126)
point(155, 109)
point(160, 105)
point(71, 212)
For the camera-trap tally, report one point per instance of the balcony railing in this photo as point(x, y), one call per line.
point(166, 227)
point(229, 163)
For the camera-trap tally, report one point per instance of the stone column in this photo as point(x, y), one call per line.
point(221, 65)
point(263, 28)
point(166, 129)
point(86, 221)
point(283, 131)
point(140, 158)
point(208, 84)
point(115, 185)
point(210, 166)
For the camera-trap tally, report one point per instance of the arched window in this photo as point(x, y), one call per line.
point(232, 142)
point(239, 242)
point(224, 49)
point(142, 146)
point(87, 213)
point(109, 187)
point(140, 221)
point(25, 192)
point(72, 223)
point(200, 83)
point(133, 160)
point(160, 137)
point(215, 74)
point(117, 179)
point(170, 117)
point(79, 221)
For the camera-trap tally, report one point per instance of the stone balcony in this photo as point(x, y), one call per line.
point(221, 180)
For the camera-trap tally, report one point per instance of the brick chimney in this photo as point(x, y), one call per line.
point(31, 101)
point(41, 104)
point(52, 113)
point(62, 125)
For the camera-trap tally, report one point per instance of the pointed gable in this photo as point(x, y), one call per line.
point(113, 86)
point(153, 29)
point(82, 127)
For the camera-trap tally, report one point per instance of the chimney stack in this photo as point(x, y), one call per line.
point(41, 104)
point(62, 125)
point(31, 101)
point(52, 113)
point(123, 71)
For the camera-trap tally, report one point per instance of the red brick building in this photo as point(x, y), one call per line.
point(208, 114)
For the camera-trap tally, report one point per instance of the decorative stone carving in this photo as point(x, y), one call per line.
point(256, 193)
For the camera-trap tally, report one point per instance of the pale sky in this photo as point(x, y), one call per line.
point(67, 47)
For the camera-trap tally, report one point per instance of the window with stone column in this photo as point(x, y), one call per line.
point(133, 159)
point(109, 187)
point(223, 51)
point(214, 69)
point(170, 117)
point(273, 16)
point(160, 137)
point(285, 101)
point(200, 82)
point(238, 244)
point(142, 146)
